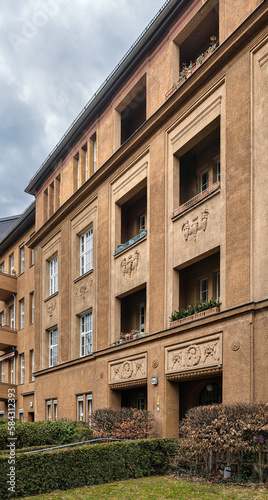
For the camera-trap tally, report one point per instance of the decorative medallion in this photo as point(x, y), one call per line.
point(236, 345)
point(101, 375)
point(82, 289)
point(155, 363)
point(51, 307)
point(130, 264)
point(196, 225)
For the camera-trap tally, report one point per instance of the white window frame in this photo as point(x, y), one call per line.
point(142, 317)
point(89, 410)
point(2, 270)
point(95, 155)
point(53, 347)
point(13, 371)
point(22, 259)
point(205, 290)
point(48, 410)
point(86, 251)
point(21, 414)
point(3, 371)
point(142, 222)
point(2, 414)
point(204, 186)
point(32, 257)
point(12, 267)
point(140, 401)
point(32, 355)
point(12, 318)
point(53, 275)
point(32, 308)
point(55, 409)
point(80, 405)
point(2, 318)
point(22, 368)
point(22, 310)
point(86, 328)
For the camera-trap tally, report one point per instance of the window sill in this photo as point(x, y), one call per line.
point(130, 243)
point(83, 275)
point(196, 200)
point(51, 296)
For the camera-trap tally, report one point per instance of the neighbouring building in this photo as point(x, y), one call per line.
point(154, 199)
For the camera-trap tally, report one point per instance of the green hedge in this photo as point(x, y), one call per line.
point(86, 465)
point(45, 434)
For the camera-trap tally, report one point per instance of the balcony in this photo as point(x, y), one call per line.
point(200, 196)
point(8, 286)
point(130, 242)
point(8, 337)
point(4, 388)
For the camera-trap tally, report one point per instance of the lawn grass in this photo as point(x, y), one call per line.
point(158, 488)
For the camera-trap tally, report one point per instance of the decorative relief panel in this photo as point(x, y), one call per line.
point(130, 264)
point(191, 229)
point(128, 369)
point(201, 353)
point(83, 288)
point(50, 307)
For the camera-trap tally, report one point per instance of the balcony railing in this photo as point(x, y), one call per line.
point(130, 242)
point(8, 285)
point(200, 196)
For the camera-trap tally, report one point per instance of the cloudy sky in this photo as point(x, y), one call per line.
point(54, 54)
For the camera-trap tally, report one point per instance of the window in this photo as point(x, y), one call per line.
point(80, 404)
point(12, 371)
point(32, 257)
point(86, 251)
point(94, 140)
point(12, 270)
point(32, 365)
point(22, 368)
point(55, 410)
point(140, 401)
point(48, 410)
point(21, 414)
point(204, 290)
point(12, 318)
point(2, 371)
point(2, 267)
point(131, 112)
point(142, 318)
point(86, 333)
point(45, 205)
point(22, 313)
point(77, 170)
point(22, 255)
point(2, 318)
point(86, 161)
point(2, 414)
point(53, 347)
point(218, 171)
point(218, 287)
point(53, 276)
point(204, 181)
point(142, 222)
point(58, 192)
point(32, 307)
point(89, 410)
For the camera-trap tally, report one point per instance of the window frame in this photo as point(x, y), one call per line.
point(202, 189)
point(22, 259)
point(80, 403)
point(55, 410)
point(86, 334)
point(204, 291)
point(2, 371)
point(89, 409)
point(53, 347)
point(22, 314)
point(22, 368)
point(48, 410)
point(53, 275)
point(86, 254)
point(142, 317)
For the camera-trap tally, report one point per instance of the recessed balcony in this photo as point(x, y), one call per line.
point(200, 196)
point(8, 285)
point(4, 390)
point(130, 242)
point(8, 337)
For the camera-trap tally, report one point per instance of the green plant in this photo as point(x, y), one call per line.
point(194, 309)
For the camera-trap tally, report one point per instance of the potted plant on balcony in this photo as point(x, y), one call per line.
point(200, 309)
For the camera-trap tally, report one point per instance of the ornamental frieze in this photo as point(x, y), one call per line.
point(200, 353)
point(128, 369)
point(191, 229)
point(130, 264)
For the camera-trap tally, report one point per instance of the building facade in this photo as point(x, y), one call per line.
point(154, 199)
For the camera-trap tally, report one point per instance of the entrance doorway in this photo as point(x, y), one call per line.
point(198, 393)
point(134, 398)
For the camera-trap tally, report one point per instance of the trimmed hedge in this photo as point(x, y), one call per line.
point(86, 465)
point(29, 434)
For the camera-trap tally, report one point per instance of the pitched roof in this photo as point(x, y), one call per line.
point(6, 224)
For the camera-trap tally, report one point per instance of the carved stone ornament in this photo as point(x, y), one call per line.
point(83, 288)
point(236, 345)
point(155, 363)
point(196, 225)
point(130, 264)
point(51, 307)
point(199, 354)
point(128, 369)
